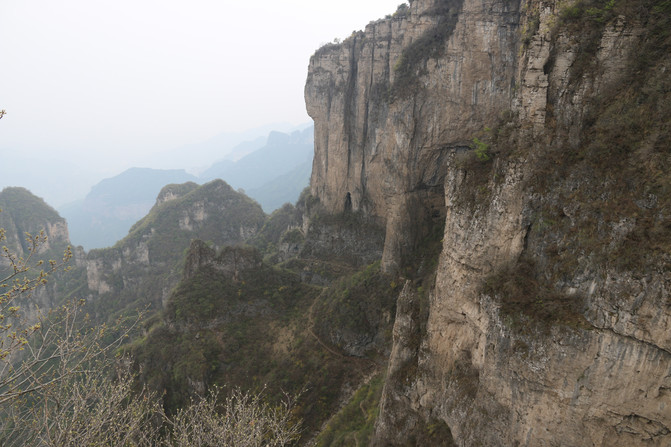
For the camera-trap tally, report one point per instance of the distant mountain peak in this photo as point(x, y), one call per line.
point(23, 212)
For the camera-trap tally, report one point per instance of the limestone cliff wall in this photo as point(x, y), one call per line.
point(548, 317)
point(381, 141)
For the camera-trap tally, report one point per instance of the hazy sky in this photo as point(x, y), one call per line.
point(106, 82)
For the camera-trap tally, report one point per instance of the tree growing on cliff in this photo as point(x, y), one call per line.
point(481, 149)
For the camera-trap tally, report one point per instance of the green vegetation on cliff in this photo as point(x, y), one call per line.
point(156, 245)
point(213, 212)
point(430, 45)
point(239, 322)
point(354, 423)
point(544, 209)
point(26, 209)
point(603, 199)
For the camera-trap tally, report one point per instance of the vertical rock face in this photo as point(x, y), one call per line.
point(383, 127)
point(231, 261)
point(549, 317)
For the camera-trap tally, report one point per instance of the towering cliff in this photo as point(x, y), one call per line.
point(536, 133)
point(392, 102)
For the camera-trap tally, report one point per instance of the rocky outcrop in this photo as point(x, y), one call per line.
point(127, 273)
point(347, 238)
point(21, 213)
point(230, 262)
point(513, 123)
point(174, 191)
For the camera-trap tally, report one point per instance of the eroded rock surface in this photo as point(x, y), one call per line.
point(571, 345)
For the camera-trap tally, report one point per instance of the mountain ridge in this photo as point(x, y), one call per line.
point(274, 173)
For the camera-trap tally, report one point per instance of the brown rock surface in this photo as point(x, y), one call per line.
point(596, 369)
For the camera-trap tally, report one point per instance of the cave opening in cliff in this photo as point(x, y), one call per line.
point(348, 202)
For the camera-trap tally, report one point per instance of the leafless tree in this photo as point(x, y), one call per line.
point(29, 346)
point(94, 407)
point(242, 420)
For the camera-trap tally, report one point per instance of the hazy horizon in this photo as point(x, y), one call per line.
point(104, 86)
point(62, 182)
